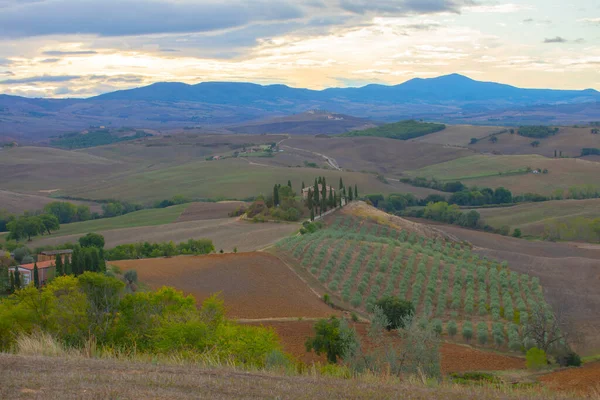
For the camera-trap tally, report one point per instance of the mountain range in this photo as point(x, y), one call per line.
point(167, 105)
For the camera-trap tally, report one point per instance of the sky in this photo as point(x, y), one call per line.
point(81, 48)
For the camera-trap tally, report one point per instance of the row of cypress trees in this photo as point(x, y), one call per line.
point(319, 200)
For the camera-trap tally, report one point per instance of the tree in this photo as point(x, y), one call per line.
point(275, 195)
point(324, 193)
point(36, 276)
point(502, 196)
point(473, 141)
point(309, 199)
point(303, 187)
point(17, 278)
point(59, 269)
point(92, 240)
point(536, 358)
point(290, 183)
point(316, 194)
point(64, 211)
point(341, 184)
point(312, 214)
point(396, 310)
point(494, 139)
point(88, 262)
point(512, 131)
point(535, 143)
point(554, 153)
point(76, 261)
point(546, 328)
point(517, 233)
point(356, 192)
point(33, 227)
point(67, 269)
point(350, 195)
point(329, 338)
point(49, 223)
point(95, 259)
point(12, 282)
point(420, 350)
point(331, 198)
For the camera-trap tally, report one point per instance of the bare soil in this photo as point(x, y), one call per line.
point(60, 378)
point(585, 379)
point(253, 285)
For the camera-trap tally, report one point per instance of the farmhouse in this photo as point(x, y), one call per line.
point(45, 272)
point(51, 255)
point(310, 188)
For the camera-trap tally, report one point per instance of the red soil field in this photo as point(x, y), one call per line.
point(253, 285)
point(585, 379)
point(455, 358)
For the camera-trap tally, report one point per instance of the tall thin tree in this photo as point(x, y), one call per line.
point(59, 269)
point(275, 195)
point(36, 276)
point(355, 192)
point(17, 278)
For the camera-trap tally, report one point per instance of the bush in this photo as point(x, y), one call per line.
point(571, 359)
point(452, 329)
point(396, 310)
point(482, 333)
point(437, 326)
point(467, 331)
point(536, 358)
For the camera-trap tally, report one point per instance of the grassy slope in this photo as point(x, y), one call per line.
point(151, 217)
point(484, 170)
point(531, 218)
point(36, 377)
point(459, 135)
point(402, 130)
point(229, 178)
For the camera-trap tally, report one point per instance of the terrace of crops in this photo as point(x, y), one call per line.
point(357, 262)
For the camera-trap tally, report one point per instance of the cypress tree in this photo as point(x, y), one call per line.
point(312, 214)
point(59, 269)
point(356, 192)
point(350, 195)
point(309, 199)
point(36, 276)
point(290, 183)
point(67, 268)
point(339, 200)
point(316, 195)
point(17, 278)
point(12, 282)
point(303, 187)
point(275, 195)
point(95, 266)
point(87, 262)
point(324, 191)
point(76, 262)
point(102, 265)
point(331, 198)
point(341, 183)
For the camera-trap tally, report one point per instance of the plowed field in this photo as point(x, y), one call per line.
point(585, 379)
point(455, 358)
point(253, 285)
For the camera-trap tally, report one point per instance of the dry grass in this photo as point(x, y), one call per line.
point(35, 377)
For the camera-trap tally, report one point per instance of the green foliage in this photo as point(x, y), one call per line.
point(403, 130)
point(329, 339)
point(68, 212)
point(92, 240)
point(156, 322)
point(482, 333)
point(154, 250)
point(451, 328)
point(536, 358)
point(467, 331)
point(539, 132)
point(396, 310)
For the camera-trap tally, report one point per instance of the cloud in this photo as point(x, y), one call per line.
point(497, 8)
point(556, 39)
point(138, 17)
point(590, 20)
point(528, 20)
point(50, 60)
point(403, 6)
point(69, 53)
point(40, 79)
point(5, 61)
point(580, 40)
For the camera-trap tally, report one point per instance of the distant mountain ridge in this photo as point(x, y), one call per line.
point(450, 99)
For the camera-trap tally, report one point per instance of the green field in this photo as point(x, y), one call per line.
point(152, 217)
point(533, 218)
point(479, 166)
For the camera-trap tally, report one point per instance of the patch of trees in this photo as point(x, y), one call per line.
point(68, 212)
point(590, 151)
point(93, 138)
point(155, 250)
point(74, 311)
point(579, 228)
point(447, 213)
point(538, 132)
point(449, 187)
point(403, 130)
point(29, 226)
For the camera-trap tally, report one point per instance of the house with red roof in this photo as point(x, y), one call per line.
point(46, 271)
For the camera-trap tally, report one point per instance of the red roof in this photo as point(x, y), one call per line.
point(40, 265)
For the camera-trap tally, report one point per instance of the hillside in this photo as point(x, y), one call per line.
point(309, 123)
point(450, 98)
point(402, 130)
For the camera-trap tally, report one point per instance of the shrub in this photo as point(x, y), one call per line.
point(536, 358)
point(482, 333)
point(396, 310)
point(437, 326)
point(467, 331)
point(570, 359)
point(452, 329)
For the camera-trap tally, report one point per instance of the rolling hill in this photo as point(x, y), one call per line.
point(165, 105)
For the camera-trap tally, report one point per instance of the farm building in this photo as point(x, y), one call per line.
point(51, 255)
point(310, 188)
point(45, 272)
